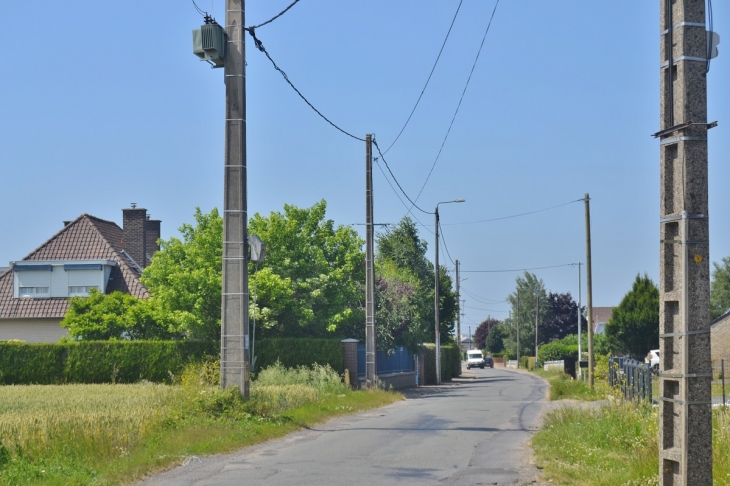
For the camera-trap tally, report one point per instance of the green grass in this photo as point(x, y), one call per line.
point(614, 443)
point(115, 434)
point(563, 387)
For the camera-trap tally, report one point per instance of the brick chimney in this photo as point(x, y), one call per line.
point(134, 223)
point(152, 230)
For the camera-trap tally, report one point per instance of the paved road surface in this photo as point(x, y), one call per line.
point(473, 431)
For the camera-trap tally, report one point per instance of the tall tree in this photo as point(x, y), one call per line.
point(720, 288)
point(524, 301)
point(482, 331)
point(561, 319)
point(402, 246)
point(634, 325)
point(495, 339)
point(311, 282)
point(184, 278)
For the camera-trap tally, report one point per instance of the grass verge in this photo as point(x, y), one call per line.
point(116, 434)
point(614, 443)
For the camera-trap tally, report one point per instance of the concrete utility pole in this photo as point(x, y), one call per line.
point(580, 350)
point(436, 298)
point(234, 302)
point(685, 425)
point(517, 326)
point(458, 310)
point(369, 266)
point(537, 313)
point(589, 290)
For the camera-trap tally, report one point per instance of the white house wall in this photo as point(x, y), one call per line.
point(32, 330)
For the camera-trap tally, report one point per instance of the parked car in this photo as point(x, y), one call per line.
point(652, 359)
point(488, 362)
point(474, 358)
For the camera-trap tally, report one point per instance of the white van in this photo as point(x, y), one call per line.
point(474, 358)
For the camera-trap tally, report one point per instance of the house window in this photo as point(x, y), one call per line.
point(81, 290)
point(33, 292)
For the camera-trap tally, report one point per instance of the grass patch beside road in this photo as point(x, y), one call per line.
point(563, 387)
point(115, 434)
point(614, 443)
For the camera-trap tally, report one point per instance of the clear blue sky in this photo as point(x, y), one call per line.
point(104, 104)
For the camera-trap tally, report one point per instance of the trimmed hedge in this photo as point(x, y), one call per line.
point(555, 350)
point(450, 362)
point(98, 361)
point(294, 352)
point(156, 361)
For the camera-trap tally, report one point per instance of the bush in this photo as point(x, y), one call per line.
point(450, 362)
point(554, 351)
point(98, 361)
point(295, 352)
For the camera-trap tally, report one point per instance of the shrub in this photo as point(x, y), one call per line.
point(450, 362)
point(294, 352)
point(555, 351)
point(98, 361)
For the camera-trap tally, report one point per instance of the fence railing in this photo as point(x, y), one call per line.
point(398, 360)
point(632, 377)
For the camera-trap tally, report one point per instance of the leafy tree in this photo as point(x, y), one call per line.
point(634, 325)
point(395, 308)
point(402, 246)
point(482, 331)
point(113, 316)
point(311, 282)
point(524, 301)
point(495, 339)
point(561, 319)
point(184, 278)
point(720, 288)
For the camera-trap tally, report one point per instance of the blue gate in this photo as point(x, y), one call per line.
point(398, 360)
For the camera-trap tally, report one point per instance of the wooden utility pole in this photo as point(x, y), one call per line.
point(370, 350)
point(685, 413)
point(589, 291)
point(234, 303)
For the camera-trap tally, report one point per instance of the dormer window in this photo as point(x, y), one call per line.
point(81, 290)
point(34, 292)
point(60, 278)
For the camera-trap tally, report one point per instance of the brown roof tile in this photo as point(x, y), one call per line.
point(85, 238)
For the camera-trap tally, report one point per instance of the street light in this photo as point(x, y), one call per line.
point(436, 290)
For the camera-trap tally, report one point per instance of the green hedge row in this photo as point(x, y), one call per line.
point(293, 352)
point(98, 361)
point(450, 362)
point(555, 350)
point(156, 361)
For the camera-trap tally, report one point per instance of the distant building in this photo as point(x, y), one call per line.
point(87, 253)
point(720, 338)
point(601, 315)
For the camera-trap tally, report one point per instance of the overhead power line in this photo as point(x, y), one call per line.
point(518, 269)
point(260, 47)
point(427, 80)
point(396, 180)
point(275, 16)
point(460, 100)
point(516, 215)
point(443, 238)
point(399, 198)
point(480, 299)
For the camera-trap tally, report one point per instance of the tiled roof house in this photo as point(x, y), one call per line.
point(86, 253)
point(601, 315)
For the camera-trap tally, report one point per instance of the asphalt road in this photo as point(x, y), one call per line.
point(472, 431)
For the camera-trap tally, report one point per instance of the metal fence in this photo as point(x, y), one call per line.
point(397, 360)
point(632, 377)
